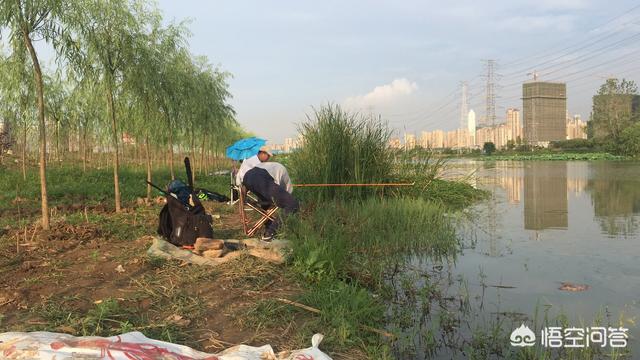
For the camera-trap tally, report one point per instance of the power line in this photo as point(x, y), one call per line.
point(544, 54)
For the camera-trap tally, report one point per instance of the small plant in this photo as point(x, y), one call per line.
point(156, 261)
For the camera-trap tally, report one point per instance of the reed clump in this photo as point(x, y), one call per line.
point(342, 148)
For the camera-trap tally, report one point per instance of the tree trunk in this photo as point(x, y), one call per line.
point(202, 151)
point(193, 150)
point(116, 157)
point(24, 153)
point(173, 176)
point(84, 149)
point(43, 139)
point(146, 146)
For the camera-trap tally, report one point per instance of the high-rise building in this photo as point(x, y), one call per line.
point(394, 143)
point(471, 128)
point(544, 107)
point(514, 125)
point(576, 128)
point(409, 141)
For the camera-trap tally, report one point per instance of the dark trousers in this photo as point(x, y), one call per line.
point(259, 182)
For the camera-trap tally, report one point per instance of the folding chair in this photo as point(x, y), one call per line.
point(249, 203)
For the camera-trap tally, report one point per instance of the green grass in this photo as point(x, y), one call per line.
point(341, 148)
point(342, 251)
point(67, 185)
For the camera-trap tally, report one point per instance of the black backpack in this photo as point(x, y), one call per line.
point(183, 219)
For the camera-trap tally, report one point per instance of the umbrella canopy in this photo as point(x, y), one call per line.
point(245, 148)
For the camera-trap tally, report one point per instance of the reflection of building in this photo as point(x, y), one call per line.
point(512, 182)
point(545, 196)
point(544, 107)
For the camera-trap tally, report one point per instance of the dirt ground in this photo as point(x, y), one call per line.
point(90, 275)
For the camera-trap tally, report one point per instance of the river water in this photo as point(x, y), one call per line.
point(545, 225)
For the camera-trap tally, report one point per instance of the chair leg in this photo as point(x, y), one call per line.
point(265, 217)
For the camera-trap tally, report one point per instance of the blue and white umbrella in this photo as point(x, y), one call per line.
point(245, 148)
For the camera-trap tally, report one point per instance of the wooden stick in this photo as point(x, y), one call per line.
point(344, 185)
point(302, 306)
point(317, 311)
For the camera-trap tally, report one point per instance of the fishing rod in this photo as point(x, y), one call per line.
point(348, 185)
point(189, 207)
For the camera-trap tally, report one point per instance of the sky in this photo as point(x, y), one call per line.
point(405, 60)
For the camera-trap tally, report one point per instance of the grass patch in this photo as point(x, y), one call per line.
point(342, 252)
point(69, 185)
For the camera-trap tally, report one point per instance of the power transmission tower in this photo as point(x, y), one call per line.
point(490, 93)
point(464, 105)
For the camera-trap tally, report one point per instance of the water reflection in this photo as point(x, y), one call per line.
point(615, 196)
point(544, 224)
point(614, 190)
point(545, 196)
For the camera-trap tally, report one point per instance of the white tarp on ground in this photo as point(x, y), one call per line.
point(273, 251)
point(133, 346)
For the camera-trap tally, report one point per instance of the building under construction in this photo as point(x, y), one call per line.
point(544, 112)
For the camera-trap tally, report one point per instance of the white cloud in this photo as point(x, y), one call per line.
point(383, 94)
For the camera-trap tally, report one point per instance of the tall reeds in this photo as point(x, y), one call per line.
point(342, 148)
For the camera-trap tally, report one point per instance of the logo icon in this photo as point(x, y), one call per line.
point(522, 336)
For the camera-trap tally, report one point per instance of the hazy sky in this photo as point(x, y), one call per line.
point(404, 60)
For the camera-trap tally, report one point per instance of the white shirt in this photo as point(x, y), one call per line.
point(247, 164)
point(279, 174)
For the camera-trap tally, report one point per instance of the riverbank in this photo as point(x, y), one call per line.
point(66, 280)
point(550, 156)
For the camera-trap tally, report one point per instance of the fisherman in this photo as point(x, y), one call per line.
point(249, 163)
point(271, 183)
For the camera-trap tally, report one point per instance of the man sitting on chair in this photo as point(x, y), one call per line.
point(271, 183)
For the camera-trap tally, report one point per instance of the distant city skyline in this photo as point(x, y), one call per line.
point(405, 60)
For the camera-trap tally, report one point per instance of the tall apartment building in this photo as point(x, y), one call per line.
point(514, 124)
point(409, 141)
point(394, 143)
point(471, 128)
point(576, 128)
point(544, 105)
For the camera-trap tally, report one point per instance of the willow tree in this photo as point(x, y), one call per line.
point(176, 75)
point(106, 30)
point(17, 95)
point(84, 106)
point(211, 113)
point(144, 84)
point(56, 106)
point(28, 20)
